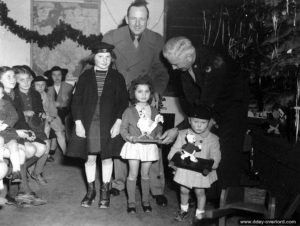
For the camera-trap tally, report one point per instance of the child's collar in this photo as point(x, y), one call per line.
point(202, 135)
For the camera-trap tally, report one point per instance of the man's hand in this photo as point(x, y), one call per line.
point(212, 123)
point(79, 129)
point(169, 136)
point(115, 129)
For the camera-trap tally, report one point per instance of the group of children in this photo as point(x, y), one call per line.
point(136, 152)
point(139, 121)
point(26, 115)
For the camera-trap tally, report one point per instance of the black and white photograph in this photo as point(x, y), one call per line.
point(149, 112)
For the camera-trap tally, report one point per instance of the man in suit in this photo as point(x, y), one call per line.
point(138, 52)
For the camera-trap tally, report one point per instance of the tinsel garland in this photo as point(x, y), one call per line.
point(59, 34)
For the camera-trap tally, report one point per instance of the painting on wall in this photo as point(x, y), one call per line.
point(83, 15)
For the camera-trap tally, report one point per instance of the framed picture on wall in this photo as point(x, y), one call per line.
point(83, 15)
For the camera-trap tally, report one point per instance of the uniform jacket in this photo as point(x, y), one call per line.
point(132, 62)
point(113, 102)
point(64, 95)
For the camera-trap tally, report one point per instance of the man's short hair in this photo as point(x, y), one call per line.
point(177, 47)
point(138, 3)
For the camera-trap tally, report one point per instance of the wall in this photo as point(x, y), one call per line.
point(16, 51)
point(118, 9)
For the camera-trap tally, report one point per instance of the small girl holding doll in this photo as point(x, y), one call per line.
point(199, 117)
point(140, 121)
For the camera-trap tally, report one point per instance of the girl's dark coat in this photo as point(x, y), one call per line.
point(37, 107)
point(113, 102)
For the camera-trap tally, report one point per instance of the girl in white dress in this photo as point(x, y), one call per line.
point(140, 121)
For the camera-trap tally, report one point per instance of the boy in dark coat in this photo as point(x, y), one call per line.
point(98, 103)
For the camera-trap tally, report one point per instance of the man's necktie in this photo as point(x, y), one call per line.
point(136, 41)
point(55, 95)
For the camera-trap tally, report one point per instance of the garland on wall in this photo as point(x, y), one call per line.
point(59, 34)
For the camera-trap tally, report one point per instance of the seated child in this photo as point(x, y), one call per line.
point(8, 118)
point(28, 103)
point(53, 121)
point(199, 118)
point(3, 165)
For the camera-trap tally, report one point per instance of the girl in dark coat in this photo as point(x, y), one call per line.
point(97, 106)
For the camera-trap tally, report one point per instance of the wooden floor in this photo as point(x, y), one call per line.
point(64, 193)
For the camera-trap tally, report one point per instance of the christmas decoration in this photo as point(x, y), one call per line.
point(59, 34)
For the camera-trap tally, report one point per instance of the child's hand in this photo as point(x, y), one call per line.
point(26, 134)
point(3, 126)
point(43, 115)
point(29, 113)
point(132, 139)
point(158, 137)
point(49, 118)
point(115, 129)
point(171, 154)
point(171, 165)
point(79, 129)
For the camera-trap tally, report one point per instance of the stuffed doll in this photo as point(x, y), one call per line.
point(189, 149)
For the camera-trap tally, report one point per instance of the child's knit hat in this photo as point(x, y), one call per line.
point(200, 111)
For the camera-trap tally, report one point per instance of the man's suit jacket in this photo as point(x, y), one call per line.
point(132, 62)
point(64, 95)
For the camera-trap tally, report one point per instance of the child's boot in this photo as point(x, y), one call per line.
point(104, 196)
point(89, 198)
point(16, 177)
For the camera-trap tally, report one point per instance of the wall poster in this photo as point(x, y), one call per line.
point(83, 15)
